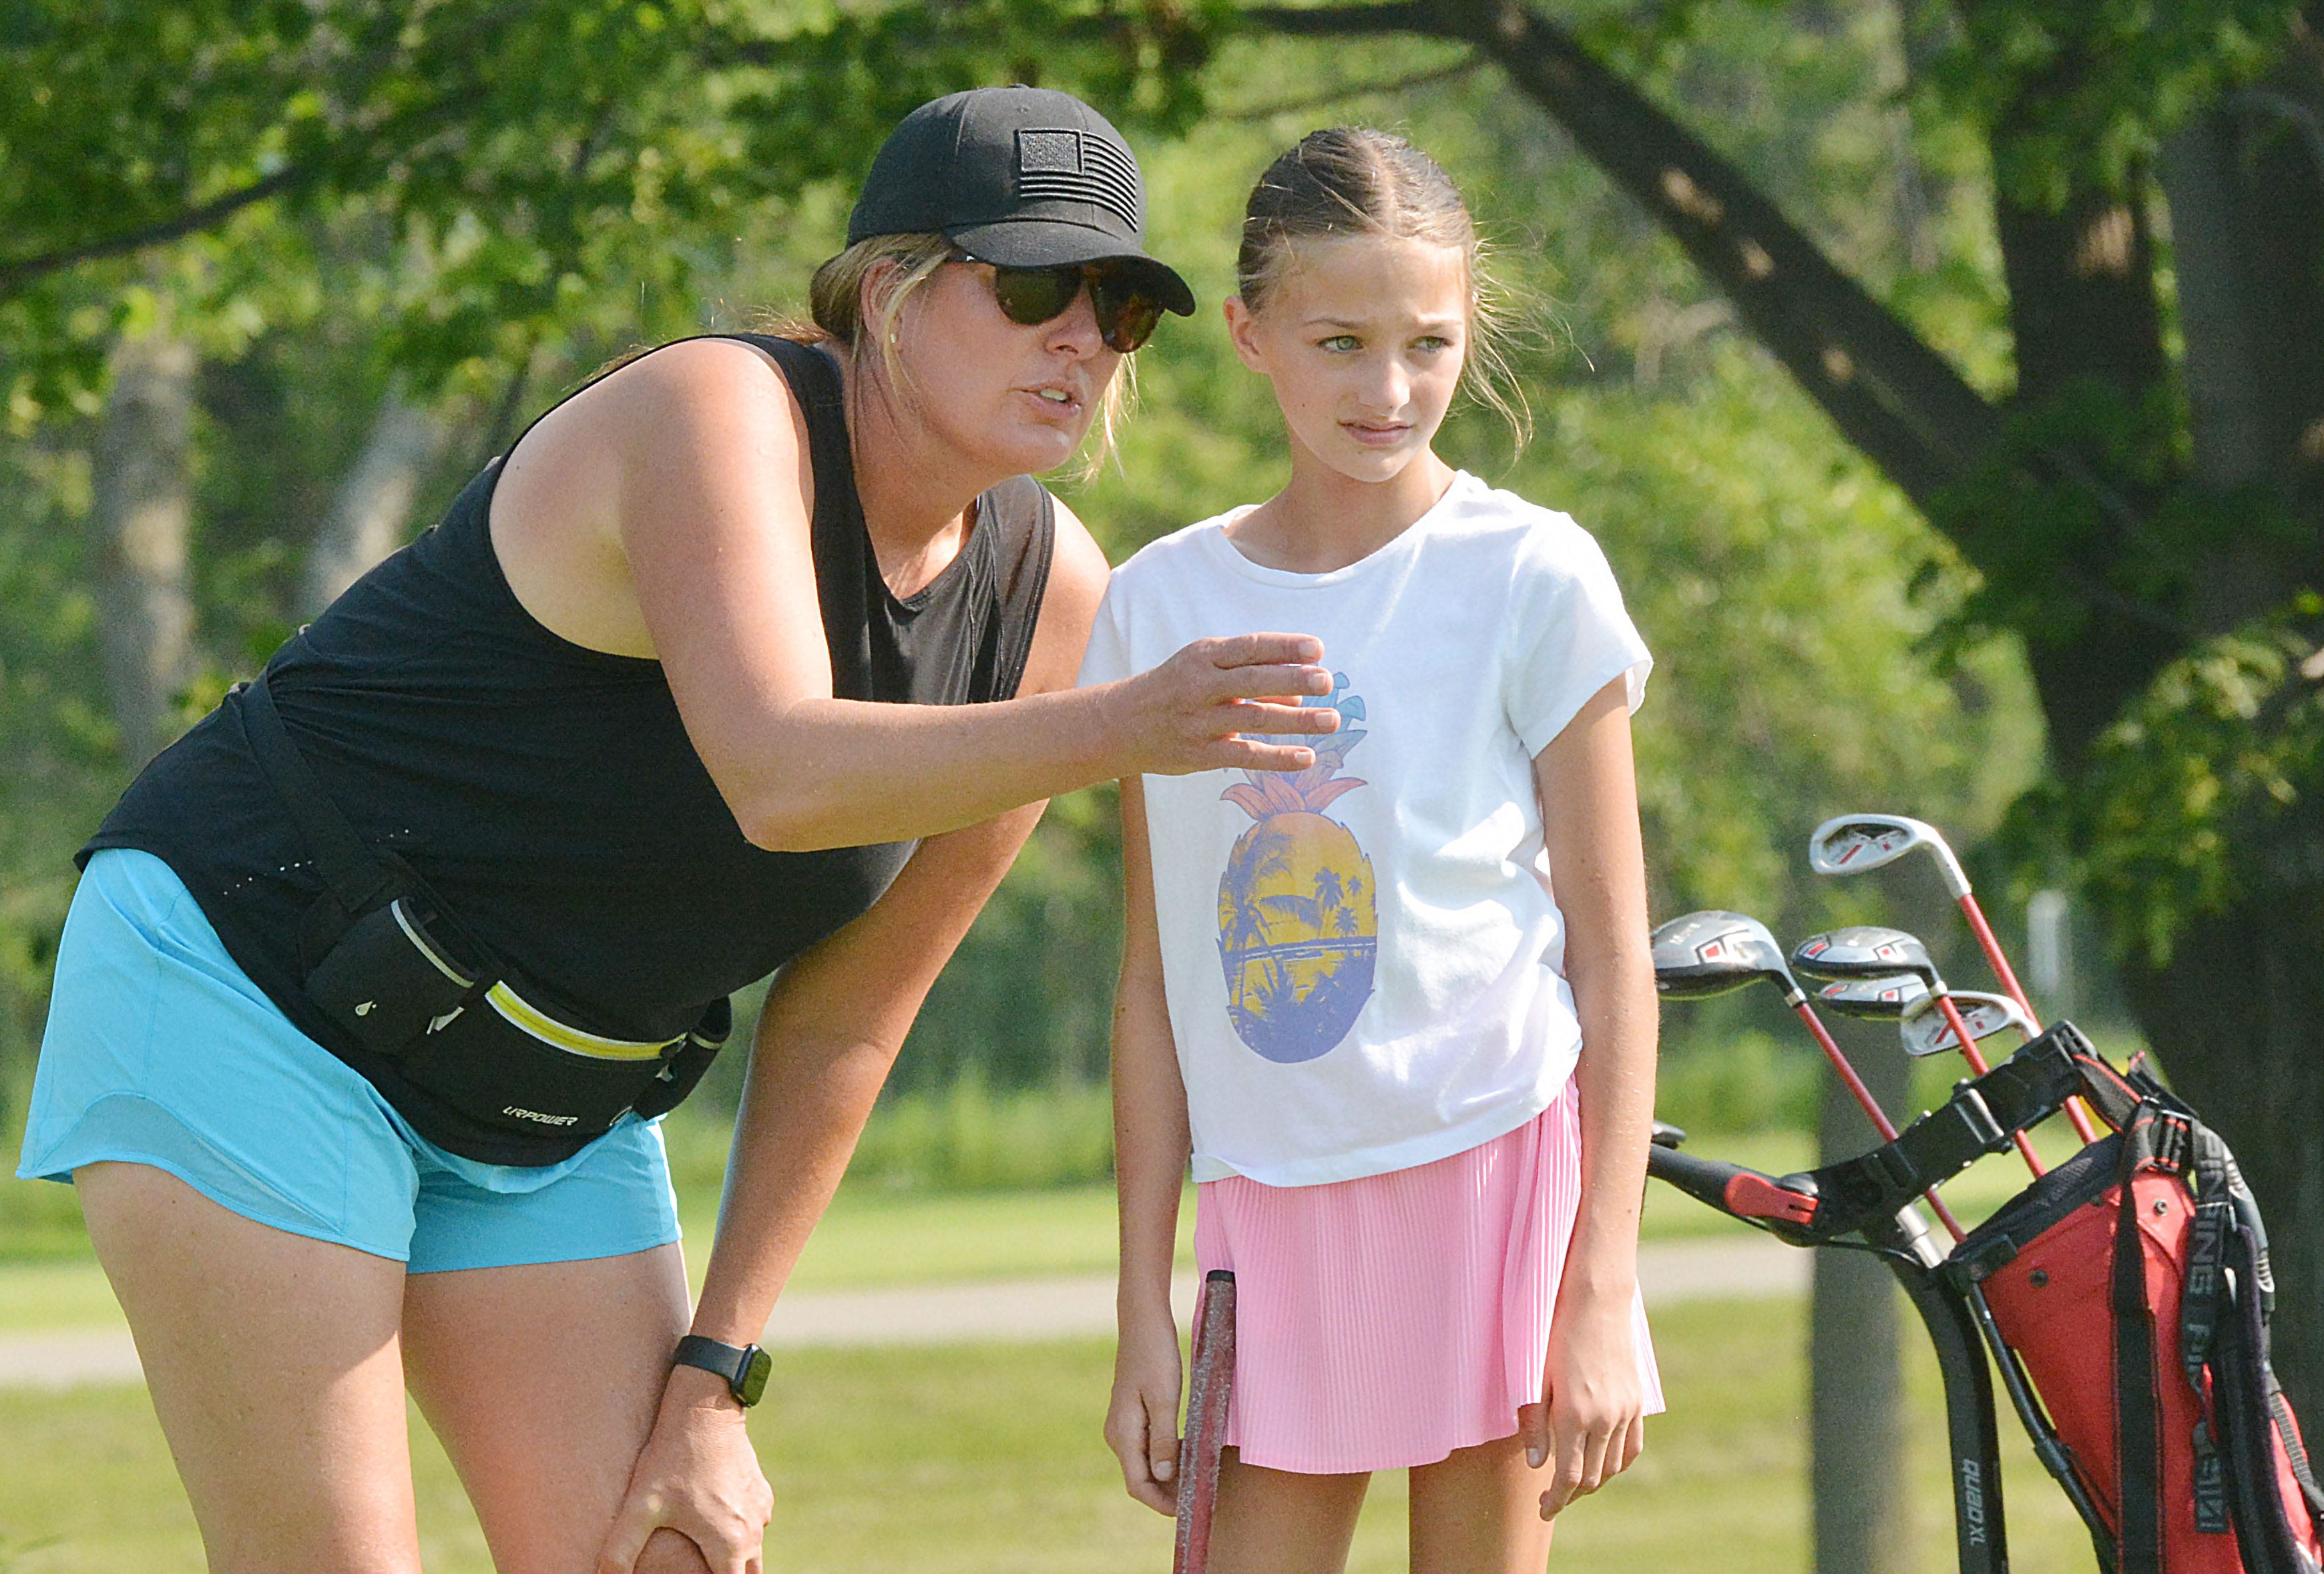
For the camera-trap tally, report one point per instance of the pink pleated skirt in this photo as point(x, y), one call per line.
point(1386, 1321)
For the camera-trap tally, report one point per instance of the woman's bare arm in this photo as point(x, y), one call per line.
point(830, 1031)
point(665, 512)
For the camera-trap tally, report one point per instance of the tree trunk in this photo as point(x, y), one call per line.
point(144, 510)
point(2246, 186)
point(372, 510)
point(1855, 1404)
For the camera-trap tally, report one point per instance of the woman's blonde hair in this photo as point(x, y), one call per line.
point(1348, 181)
point(856, 320)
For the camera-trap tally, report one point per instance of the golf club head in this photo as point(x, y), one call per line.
point(1852, 844)
point(1888, 997)
point(1864, 950)
point(1713, 952)
point(1925, 1030)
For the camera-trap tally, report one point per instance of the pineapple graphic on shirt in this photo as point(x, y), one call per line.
point(1298, 916)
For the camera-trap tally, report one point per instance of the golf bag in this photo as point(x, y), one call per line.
point(2127, 1295)
point(2131, 1286)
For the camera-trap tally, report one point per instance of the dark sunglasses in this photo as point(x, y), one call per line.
point(1120, 296)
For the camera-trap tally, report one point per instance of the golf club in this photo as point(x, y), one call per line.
point(1888, 999)
point(1713, 952)
point(1852, 844)
point(1870, 951)
point(1210, 1387)
point(1926, 1032)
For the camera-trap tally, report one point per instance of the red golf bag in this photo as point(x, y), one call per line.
point(2130, 1289)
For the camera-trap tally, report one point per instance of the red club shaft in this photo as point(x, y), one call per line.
point(1999, 959)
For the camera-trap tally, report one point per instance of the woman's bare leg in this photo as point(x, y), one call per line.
point(542, 1382)
point(1479, 1512)
point(274, 1365)
point(1278, 1522)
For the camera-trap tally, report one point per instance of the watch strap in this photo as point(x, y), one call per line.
point(744, 1366)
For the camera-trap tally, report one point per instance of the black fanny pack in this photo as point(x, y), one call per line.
point(385, 961)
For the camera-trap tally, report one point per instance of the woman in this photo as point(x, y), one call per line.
point(372, 976)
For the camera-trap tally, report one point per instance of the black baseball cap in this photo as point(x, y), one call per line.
point(1023, 177)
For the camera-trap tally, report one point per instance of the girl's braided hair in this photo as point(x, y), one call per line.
point(1350, 181)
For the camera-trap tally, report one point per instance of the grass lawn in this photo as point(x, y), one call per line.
point(987, 1460)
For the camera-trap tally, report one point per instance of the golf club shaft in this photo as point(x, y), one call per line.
point(1999, 959)
point(1976, 1064)
point(1871, 1106)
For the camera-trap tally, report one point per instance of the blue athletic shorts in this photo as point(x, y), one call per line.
point(159, 1051)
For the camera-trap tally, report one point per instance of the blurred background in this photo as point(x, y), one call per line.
point(1941, 380)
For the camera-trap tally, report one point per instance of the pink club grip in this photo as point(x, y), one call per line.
point(1211, 1385)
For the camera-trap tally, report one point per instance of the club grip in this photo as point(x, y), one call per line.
point(1209, 1389)
point(1733, 1190)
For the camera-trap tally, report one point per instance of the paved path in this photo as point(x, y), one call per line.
point(1008, 1309)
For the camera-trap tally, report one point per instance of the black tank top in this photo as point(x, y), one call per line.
point(547, 793)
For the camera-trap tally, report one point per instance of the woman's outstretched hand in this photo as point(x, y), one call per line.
point(697, 1480)
point(1591, 1424)
point(1222, 703)
point(1141, 1423)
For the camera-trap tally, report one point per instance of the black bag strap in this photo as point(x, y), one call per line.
point(358, 876)
point(2287, 1428)
point(2253, 1419)
point(2138, 1405)
point(2028, 1088)
point(2229, 1299)
point(2202, 1298)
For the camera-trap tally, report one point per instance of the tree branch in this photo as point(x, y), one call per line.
point(1338, 20)
point(1458, 68)
point(1847, 349)
point(14, 275)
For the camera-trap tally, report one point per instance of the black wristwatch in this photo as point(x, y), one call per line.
point(744, 1366)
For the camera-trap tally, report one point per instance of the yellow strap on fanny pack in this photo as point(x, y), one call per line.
point(524, 1015)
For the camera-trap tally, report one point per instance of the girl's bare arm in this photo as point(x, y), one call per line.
point(1597, 864)
point(1151, 1142)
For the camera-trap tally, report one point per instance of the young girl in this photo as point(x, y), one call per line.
point(1351, 993)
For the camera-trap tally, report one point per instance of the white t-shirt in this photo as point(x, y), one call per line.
point(1362, 962)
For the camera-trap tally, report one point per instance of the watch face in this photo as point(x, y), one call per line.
point(753, 1382)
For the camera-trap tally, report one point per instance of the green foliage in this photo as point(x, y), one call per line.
point(2086, 89)
point(56, 769)
point(1745, 1081)
point(2186, 802)
point(509, 158)
point(2045, 504)
point(971, 1138)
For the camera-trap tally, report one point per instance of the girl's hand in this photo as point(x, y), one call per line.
point(699, 1478)
point(1211, 706)
point(1141, 1423)
point(1590, 1424)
